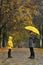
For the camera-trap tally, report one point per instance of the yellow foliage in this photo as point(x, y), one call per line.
point(6, 10)
point(18, 17)
point(14, 20)
point(34, 7)
point(35, 12)
point(21, 8)
point(11, 3)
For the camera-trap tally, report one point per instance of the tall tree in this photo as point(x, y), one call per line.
point(18, 14)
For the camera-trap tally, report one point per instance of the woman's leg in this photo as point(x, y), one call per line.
point(32, 54)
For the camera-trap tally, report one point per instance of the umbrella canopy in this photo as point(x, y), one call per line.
point(33, 29)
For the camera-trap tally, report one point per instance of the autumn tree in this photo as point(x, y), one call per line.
point(15, 14)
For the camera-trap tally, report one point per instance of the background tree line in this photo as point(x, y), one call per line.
point(15, 15)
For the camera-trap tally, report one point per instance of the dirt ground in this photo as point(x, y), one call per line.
point(20, 57)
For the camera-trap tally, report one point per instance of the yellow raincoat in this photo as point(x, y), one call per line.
point(10, 43)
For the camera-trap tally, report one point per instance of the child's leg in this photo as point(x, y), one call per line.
point(9, 53)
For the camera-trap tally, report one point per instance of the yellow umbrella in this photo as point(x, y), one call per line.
point(33, 29)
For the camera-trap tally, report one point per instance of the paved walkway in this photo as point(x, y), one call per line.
point(20, 57)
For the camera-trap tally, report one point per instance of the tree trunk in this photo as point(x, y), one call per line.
point(0, 38)
point(3, 41)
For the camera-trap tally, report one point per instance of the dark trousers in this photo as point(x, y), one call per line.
point(9, 53)
point(32, 54)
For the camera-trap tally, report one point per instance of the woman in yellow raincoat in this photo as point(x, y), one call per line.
point(10, 46)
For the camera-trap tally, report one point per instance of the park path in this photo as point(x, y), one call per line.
point(20, 57)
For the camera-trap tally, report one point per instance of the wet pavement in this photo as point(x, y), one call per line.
point(20, 57)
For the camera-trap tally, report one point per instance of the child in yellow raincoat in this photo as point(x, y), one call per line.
point(10, 46)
